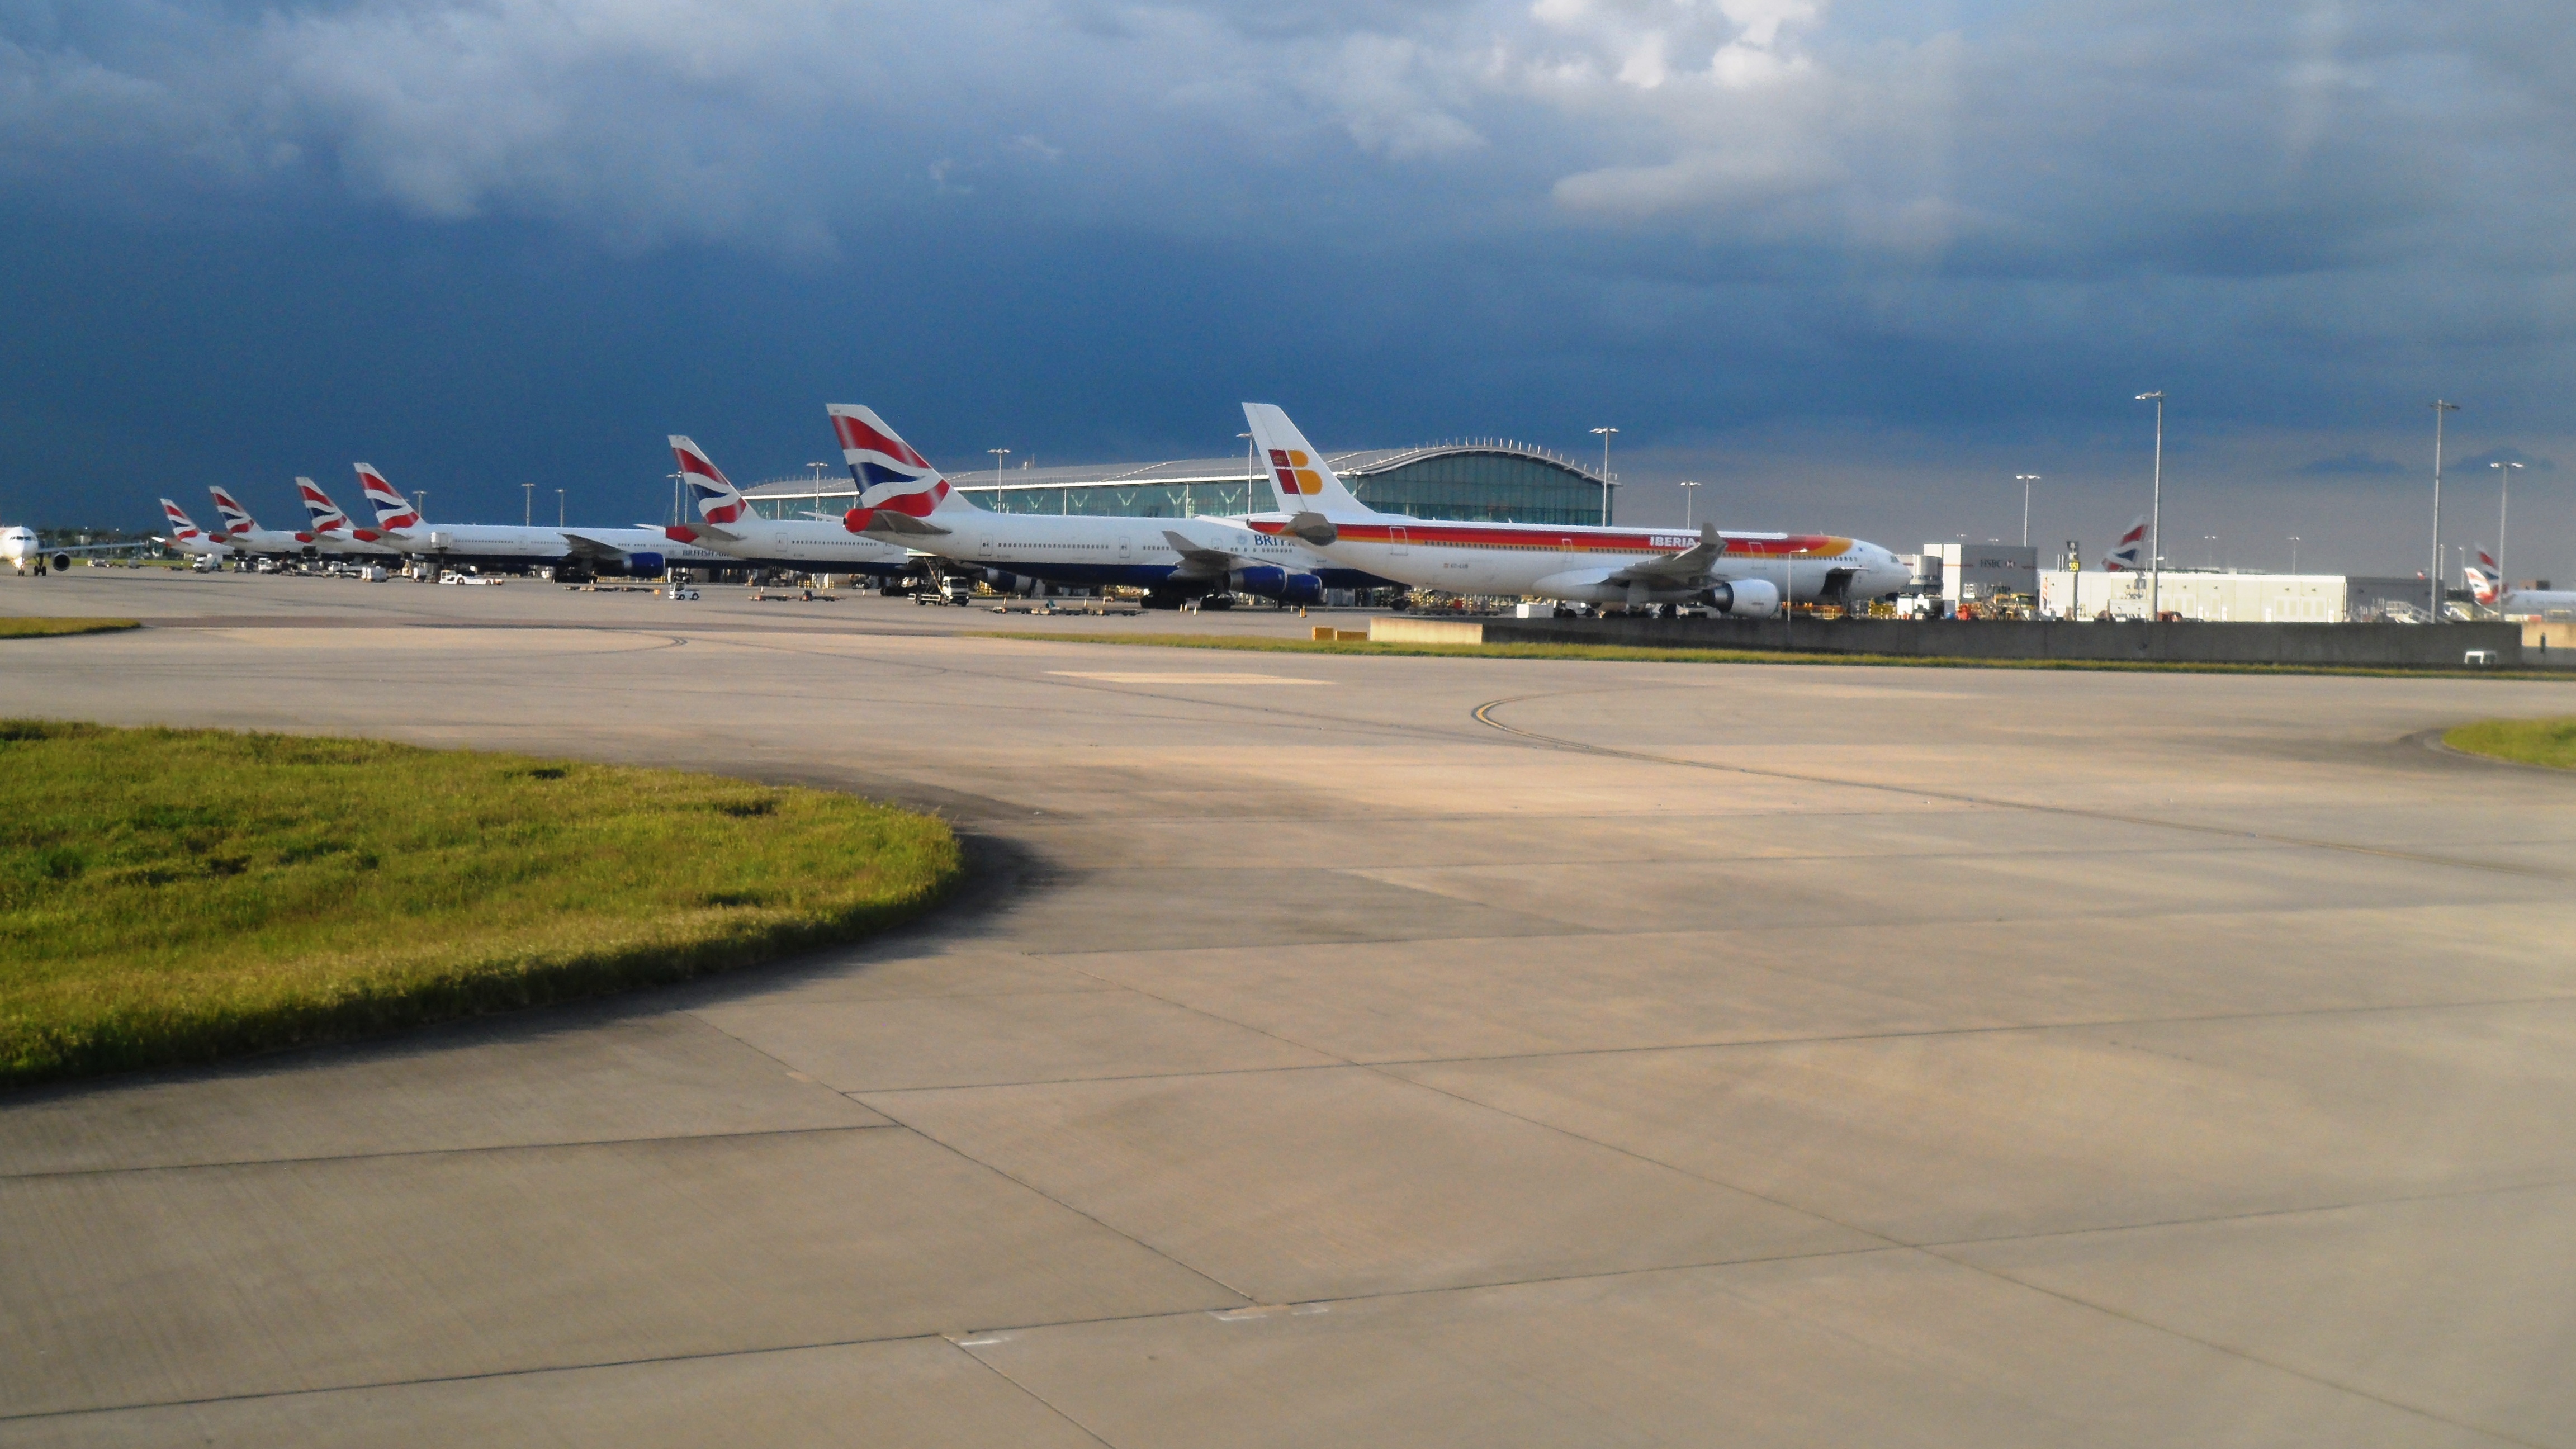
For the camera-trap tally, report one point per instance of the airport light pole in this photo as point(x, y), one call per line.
point(420, 504)
point(2504, 497)
point(2210, 553)
point(1605, 473)
point(2440, 407)
point(998, 455)
point(1689, 491)
point(559, 508)
point(2025, 480)
point(527, 504)
point(2294, 553)
point(2075, 578)
point(2156, 518)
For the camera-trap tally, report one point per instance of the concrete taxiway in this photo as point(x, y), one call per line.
point(1375, 1051)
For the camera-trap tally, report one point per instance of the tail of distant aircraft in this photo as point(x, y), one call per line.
point(326, 515)
point(394, 512)
point(896, 484)
point(2485, 580)
point(236, 518)
point(2131, 555)
point(1305, 482)
point(181, 529)
point(719, 502)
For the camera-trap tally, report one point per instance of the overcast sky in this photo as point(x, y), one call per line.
point(1853, 265)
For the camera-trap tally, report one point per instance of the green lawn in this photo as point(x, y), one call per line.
point(46, 628)
point(1634, 654)
point(172, 896)
point(2549, 742)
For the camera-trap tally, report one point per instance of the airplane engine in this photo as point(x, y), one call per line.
point(61, 562)
point(1010, 583)
point(1266, 581)
point(1745, 599)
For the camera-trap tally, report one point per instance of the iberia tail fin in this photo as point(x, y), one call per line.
point(1306, 483)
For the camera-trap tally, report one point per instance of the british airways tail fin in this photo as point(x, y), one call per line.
point(2131, 555)
point(180, 527)
point(394, 512)
point(236, 519)
point(719, 502)
point(899, 492)
point(2485, 580)
point(326, 515)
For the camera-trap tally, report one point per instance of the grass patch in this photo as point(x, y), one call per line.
point(48, 628)
point(172, 896)
point(2550, 742)
point(1629, 654)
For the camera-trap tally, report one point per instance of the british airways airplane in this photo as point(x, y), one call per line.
point(903, 499)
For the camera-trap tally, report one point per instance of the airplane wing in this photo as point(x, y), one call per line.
point(1198, 561)
point(1686, 569)
point(592, 551)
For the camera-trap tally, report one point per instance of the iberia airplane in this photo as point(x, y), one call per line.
point(1744, 574)
point(728, 525)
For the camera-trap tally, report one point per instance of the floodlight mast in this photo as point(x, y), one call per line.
point(2156, 518)
point(1605, 473)
point(2434, 583)
point(2025, 480)
point(1689, 491)
point(2504, 497)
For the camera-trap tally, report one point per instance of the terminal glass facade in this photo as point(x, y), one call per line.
point(1472, 484)
point(1115, 500)
point(1483, 488)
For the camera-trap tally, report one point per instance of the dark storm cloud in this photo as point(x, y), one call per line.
point(534, 228)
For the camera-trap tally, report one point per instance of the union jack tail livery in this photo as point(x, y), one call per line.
point(180, 527)
point(326, 515)
point(394, 512)
point(236, 518)
point(719, 502)
point(2485, 580)
point(1305, 482)
point(2131, 555)
point(896, 484)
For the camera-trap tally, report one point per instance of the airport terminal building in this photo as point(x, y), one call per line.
point(1485, 480)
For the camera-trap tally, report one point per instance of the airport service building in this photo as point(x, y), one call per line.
point(1486, 480)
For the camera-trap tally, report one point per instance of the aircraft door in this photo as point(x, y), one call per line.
point(1398, 540)
point(1122, 548)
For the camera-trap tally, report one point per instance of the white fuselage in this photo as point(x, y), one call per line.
point(1103, 551)
point(516, 545)
point(2547, 604)
point(18, 548)
point(812, 544)
point(1576, 562)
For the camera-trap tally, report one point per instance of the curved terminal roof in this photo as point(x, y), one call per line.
point(1353, 466)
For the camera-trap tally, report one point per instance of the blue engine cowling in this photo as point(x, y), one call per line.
point(1266, 581)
